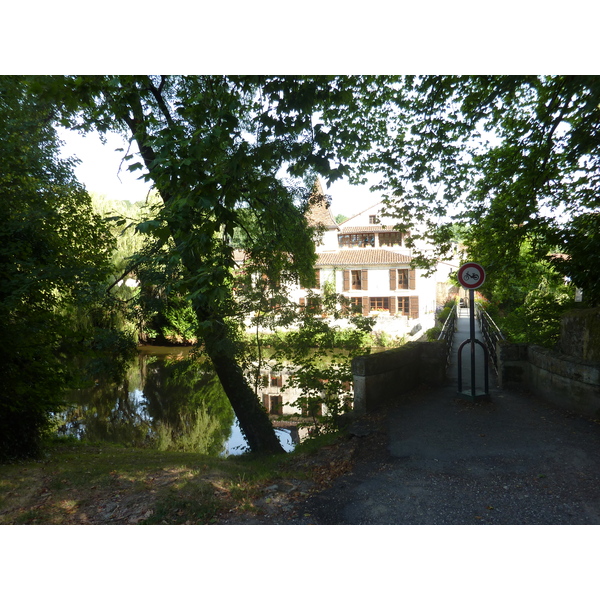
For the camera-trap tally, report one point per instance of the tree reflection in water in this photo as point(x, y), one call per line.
point(166, 401)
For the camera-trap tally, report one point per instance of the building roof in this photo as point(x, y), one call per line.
point(361, 256)
point(368, 229)
point(369, 208)
point(318, 213)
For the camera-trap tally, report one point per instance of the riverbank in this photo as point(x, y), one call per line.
point(78, 484)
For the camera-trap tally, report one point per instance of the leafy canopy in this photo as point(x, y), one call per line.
point(514, 158)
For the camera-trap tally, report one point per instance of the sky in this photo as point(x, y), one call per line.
point(99, 172)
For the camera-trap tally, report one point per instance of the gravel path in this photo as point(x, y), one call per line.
point(435, 459)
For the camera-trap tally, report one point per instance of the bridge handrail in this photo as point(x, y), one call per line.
point(491, 333)
point(447, 333)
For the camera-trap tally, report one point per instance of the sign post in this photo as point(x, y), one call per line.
point(471, 276)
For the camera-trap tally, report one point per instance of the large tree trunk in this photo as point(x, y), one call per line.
point(253, 419)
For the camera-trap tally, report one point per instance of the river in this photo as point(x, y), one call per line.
point(167, 400)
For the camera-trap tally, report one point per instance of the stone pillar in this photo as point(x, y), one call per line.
point(580, 334)
point(512, 364)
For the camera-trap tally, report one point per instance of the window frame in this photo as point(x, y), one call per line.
point(379, 303)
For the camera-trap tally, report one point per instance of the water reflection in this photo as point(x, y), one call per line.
point(167, 401)
point(236, 444)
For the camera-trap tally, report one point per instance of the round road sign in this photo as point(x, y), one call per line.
point(471, 275)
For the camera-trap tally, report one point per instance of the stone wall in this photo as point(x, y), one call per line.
point(566, 381)
point(381, 379)
point(569, 376)
point(580, 334)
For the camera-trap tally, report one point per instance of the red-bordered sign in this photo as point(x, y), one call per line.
point(471, 275)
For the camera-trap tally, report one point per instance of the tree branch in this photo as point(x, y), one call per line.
point(157, 93)
point(127, 272)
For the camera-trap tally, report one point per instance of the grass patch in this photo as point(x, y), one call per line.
point(108, 484)
point(194, 503)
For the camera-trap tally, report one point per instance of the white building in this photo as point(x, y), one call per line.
point(367, 261)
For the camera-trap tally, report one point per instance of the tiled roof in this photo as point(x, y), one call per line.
point(361, 256)
point(366, 228)
point(318, 212)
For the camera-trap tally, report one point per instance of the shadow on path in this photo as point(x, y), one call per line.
point(435, 459)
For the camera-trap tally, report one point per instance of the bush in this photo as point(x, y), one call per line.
point(444, 314)
point(433, 334)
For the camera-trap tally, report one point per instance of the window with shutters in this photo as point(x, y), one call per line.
point(392, 305)
point(355, 280)
point(276, 405)
point(381, 303)
point(402, 279)
point(366, 307)
point(403, 304)
point(276, 380)
point(356, 303)
point(408, 306)
point(414, 307)
point(313, 303)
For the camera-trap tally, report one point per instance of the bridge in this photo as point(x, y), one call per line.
point(472, 367)
point(430, 456)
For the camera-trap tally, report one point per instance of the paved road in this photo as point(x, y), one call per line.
point(437, 459)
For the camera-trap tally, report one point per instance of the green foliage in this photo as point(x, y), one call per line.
point(183, 409)
point(214, 147)
point(186, 404)
point(513, 158)
point(318, 356)
point(581, 243)
point(537, 320)
point(54, 260)
point(433, 334)
point(444, 314)
point(382, 339)
point(196, 432)
point(528, 297)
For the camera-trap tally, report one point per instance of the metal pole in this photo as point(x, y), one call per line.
point(472, 336)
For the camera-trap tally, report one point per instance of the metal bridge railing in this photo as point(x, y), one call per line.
point(491, 333)
point(447, 332)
